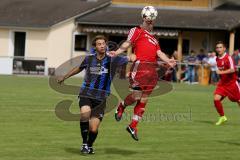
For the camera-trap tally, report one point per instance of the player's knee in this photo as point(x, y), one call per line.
point(136, 95)
point(93, 129)
point(144, 99)
point(84, 117)
point(217, 97)
point(85, 113)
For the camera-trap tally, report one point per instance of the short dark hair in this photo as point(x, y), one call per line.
point(97, 38)
point(221, 42)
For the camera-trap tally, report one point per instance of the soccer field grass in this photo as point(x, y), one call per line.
point(31, 131)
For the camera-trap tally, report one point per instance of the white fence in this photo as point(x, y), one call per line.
point(23, 65)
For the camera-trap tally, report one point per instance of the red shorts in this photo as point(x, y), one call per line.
point(232, 91)
point(143, 76)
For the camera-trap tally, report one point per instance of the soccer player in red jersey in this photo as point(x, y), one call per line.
point(228, 85)
point(143, 75)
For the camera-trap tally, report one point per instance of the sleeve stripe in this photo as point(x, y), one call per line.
point(131, 33)
point(231, 62)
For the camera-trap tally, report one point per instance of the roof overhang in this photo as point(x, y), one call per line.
point(123, 30)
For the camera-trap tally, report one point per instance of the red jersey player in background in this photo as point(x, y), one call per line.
point(143, 75)
point(228, 85)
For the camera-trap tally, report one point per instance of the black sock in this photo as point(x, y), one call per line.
point(84, 131)
point(91, 138)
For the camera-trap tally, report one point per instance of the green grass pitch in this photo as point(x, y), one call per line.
point(29, 129)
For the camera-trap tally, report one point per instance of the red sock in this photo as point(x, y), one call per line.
point(138, 113)
point(129, 100)
point(134, 123)
point(219, 107)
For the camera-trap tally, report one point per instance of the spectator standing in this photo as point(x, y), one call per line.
point(213, 67)
point(191, 61)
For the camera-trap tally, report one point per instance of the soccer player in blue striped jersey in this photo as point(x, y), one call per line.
point(100, 69)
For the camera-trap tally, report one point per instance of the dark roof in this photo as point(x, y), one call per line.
point(168, 18)
point(43, 13)
point(231, 5)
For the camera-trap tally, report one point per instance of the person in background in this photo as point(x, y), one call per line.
point(201, 56)
point(191, 61)
point(205, 59)
point(213, 67)
point(201, 59)
point(227, 85)
point(174, 71)
point(236, 59)
point(184, 74)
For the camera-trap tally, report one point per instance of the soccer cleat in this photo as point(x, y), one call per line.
point(119, 112)
point(90, 150)
point(221, 120)
point(84, 149)
point(133, 132)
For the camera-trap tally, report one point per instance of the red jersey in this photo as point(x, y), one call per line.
point(223, 63)
point(145, 44)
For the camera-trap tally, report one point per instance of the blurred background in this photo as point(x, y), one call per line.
point(38, 36)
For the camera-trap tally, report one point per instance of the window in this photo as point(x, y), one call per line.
point(186, 44)
point(80, 42)
point(115, 41)
point(170, 45)
point(19, 43)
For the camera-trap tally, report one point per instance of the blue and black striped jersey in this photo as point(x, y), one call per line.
point(99, 75)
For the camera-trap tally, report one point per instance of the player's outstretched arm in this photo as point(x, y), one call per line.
point(163, 57)
point(121, 49)
point(71, 73)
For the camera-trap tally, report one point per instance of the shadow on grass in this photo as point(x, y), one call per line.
point(119, 151)
point(205, 122)
point(235, 143)
point(213, 123)
point(73, 150)
point(115, 151)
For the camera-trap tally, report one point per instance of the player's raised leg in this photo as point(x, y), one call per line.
point(129, 100)
point(139, 110)
point(219, 107)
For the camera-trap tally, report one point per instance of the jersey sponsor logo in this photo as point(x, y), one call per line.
point(151, 39)
point(221, 68)
point(99, 70)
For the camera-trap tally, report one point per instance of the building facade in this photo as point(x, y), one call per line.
point(35, 45)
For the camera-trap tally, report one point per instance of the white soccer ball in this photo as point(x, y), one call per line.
point(149, 12)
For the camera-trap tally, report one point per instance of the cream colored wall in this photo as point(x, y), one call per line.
point(167, 3)
point(4, 42)
point(197, 39)
point(55, 44)
point(36, 43)
point(60, 44)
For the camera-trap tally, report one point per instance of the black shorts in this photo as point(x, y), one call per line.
point(97, 106)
